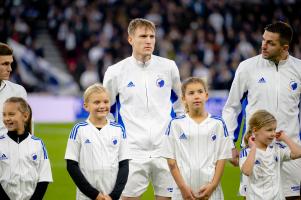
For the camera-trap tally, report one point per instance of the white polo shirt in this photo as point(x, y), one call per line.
point(197, 148)
point(98, 153)
point(7, 90)
point(144, 93)
point(22, 166)
point(265, 182)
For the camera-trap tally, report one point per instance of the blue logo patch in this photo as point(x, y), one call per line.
point(276, 158)
point(3, 157)
point(257, 162)
point(160, 82)
point(34, 156)
point(293, 85)
point(87, 141)
point(183, 137)
point(131, 84)
point(170, 189)
point(262, 80)
point(295, 188)
point(115, 141)
point(213, 137)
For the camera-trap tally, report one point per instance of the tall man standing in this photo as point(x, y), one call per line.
point(270, 81)
point(145, 87)
point(7, 88)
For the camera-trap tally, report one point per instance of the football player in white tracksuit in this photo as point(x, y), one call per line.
point(270, 81)
point(7, 88)
point(96, 152)
point(196, 147)
point(24, 165)
point(142, 87)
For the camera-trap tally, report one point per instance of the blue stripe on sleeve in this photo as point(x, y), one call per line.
point(226, 134)
point(241, 117)
point(75, 129)
point(173, 98)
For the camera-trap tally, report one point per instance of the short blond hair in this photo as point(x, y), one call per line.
point(140, 22)
point(96, 87)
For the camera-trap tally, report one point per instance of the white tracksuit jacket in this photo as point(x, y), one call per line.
point(274, 88)
point(144, 92)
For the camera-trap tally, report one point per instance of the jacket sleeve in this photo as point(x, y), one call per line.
point(233, 106)
point(111, 84)
point(176, 91)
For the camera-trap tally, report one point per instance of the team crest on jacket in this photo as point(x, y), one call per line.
point(34, 156)
point(293, 85)
point(160, 82)
point(114, 141)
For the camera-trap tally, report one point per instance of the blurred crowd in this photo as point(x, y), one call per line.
point(206, 38)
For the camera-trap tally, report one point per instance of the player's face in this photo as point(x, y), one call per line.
point(265, 135)
point(5, 67)
point(143, 42)
point(13, 118)
point(98, 105)
point(195, 97)
point(271, 49)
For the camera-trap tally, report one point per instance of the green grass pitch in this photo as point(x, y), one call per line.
point(55, 138)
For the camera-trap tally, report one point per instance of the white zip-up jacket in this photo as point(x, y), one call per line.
point(266, 86)
point(143, 94)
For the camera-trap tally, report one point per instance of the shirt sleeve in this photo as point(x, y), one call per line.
point(168, 148)
point(285, 152)
point(121, 180)
point(233, 106)
point(111, 84)
point(80, 181)
point(176, 91)
point(123, 153)
point(224, 143)
point(73, 144)
point(243, 156)
point(40, 191)
point(45, 174)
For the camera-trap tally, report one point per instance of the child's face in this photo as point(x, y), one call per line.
point(266, 134)
point(195, 96)
point(13, 118)
point(98, 105)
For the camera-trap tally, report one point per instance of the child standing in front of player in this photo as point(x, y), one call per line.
point(96, 151)
point(197, 146)
point(262, 158)
point(24, 165)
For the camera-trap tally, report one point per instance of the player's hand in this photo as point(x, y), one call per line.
point(206, 191)
point(235, 157)
point(187, 193)
point(280, 136)
point(107, 197)
point(100, 197)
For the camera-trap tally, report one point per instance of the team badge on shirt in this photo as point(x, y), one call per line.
point(160, 82)
point(213, 137)
point(34, 156)
point(293, 85)
point(114, 141)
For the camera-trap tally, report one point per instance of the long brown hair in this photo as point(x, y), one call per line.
point(259, 119)
point(23, 108)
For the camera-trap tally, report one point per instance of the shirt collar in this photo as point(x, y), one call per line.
point(2, 85)
point(141, 64)
point(17, 138)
